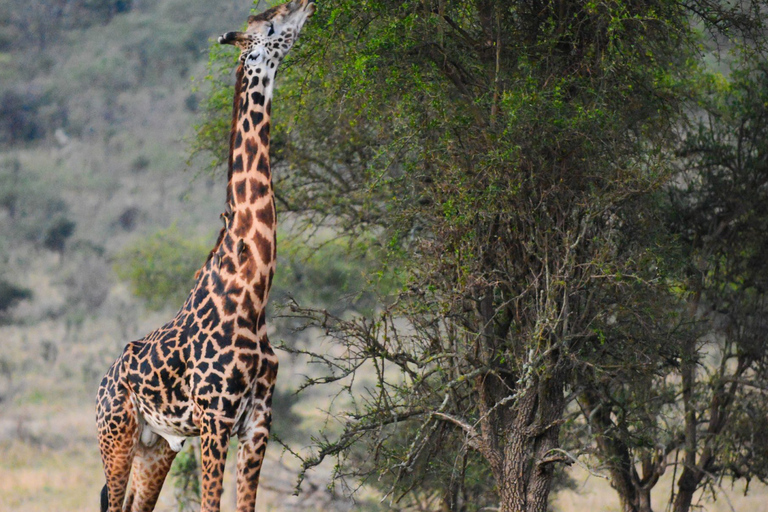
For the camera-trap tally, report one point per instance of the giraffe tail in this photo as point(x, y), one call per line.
point(104, 498)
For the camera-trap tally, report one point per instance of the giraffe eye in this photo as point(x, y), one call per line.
point(271, 29)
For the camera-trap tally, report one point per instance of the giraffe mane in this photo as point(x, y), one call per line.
point(232, 130)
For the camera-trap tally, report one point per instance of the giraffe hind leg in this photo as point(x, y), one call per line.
point(150, 467)
point(118, 433)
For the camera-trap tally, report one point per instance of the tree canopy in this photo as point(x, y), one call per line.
point(515, 166)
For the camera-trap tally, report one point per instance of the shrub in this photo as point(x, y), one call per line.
point(161, 268)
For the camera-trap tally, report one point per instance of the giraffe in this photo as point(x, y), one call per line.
point(210, 371)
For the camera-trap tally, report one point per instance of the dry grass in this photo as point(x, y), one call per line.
point(35, 477)
point(595, 495)
point(49, 463)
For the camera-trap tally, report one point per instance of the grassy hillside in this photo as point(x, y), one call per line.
point(95, 121)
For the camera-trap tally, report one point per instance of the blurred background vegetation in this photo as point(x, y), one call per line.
point(113, 119)
point(104, 220)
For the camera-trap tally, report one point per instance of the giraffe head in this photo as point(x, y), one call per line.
point(270, 35)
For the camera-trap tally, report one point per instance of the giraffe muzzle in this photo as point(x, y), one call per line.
point(230, 37)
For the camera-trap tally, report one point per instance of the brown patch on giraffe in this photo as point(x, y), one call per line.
point(263, 166)
point(237, 164)
point(258, 99)
point(260, 288)
point(243, 223)
point(259, 190)
point(250, 321)
point(264, 134)
point(244, 342)
point(240, 191)
point(227, 265)
point(230, 304)
point(263, 247)
point(268, 370)
point(266, 215)
point(248, 269)
point(251, 150)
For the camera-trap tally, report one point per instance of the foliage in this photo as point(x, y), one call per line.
point(20, 117)
point(186, 471)
point(36, 212)
point(507, 159)
point(161, 269)
point(695, 406)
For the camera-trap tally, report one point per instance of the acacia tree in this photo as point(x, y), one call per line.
point(501, 156)
point(697, 411)
point(722, 219)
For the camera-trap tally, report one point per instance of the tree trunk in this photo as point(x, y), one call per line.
point(644, 500)
point(686, 487)
point(523, 466)
point(616, 454)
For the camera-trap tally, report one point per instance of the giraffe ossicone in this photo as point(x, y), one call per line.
point(210, 371)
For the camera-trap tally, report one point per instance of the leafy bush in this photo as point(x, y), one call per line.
point(19, 117)
point(57, 234)
point(161, 269)
point(10, 295)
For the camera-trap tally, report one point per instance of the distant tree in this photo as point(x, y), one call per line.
point(721, 216)
point(10, 295)
point(694, 412)
point(19, 117)
point(57, 233)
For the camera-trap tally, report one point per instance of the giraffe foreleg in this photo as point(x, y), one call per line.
point(150, 467)
point(214, 442)
point(252, 446)
point(118, 433)
point(254, 434)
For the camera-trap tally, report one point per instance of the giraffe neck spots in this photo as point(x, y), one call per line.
point(248, 247)
point(251, 176)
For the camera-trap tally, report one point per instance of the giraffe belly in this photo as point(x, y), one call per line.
point(149, 437)
point(173, 428)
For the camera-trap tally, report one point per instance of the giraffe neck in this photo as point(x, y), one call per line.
point(250, 178)
point(243, 260)
point(238, 274)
